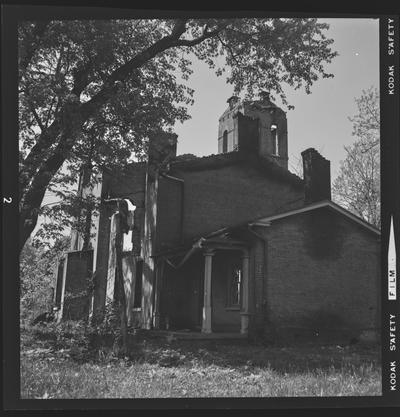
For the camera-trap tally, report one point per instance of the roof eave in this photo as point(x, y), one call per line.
point(320, 204)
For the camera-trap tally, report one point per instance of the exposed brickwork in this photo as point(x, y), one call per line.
point(127, 183)
point(100, 273)
point(248, 124)
point(162, 149)
point(268, 115)
point(169, 212)
point(78, 271)
point(322, 283)
point(217, 198)
point(259, 284)
point(317, 176)
point(248, 130)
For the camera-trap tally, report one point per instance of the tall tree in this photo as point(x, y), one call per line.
point(357, 186)
point(91, 92)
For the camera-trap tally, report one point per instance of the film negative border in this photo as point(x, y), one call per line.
point(390, 180)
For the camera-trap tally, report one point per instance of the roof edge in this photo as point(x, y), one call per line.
point(321, 204)
point(217, 161)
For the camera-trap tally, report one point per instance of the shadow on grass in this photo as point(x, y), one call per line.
point(244, 356)
point(240, 355)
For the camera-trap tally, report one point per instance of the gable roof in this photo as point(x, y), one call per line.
point(320, 204)
point(215, 161)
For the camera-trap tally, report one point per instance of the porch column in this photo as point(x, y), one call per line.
point(206, 325)
point(244, 314)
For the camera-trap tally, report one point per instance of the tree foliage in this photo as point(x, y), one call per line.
point(37, 266)
point(366, 123)
point(357, 186)
point(91, 92)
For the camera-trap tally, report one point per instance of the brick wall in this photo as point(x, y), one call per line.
point(323, 275)
point(78, 271)
point(266, 119)
point(100, 275)
point(257, 286)
point(216, 198)
point(228, 123)
point(129, 183)
point(169, 212)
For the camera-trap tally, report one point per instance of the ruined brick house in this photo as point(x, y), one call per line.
point(231, 242)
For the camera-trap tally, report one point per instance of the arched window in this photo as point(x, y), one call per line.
point(275, 140)
point(225, 142)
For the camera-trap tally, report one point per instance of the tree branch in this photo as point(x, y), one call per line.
point(179, 28)
point(229, 49)
point(32, 44)
point(372, 113)
point(126, 70)
point(34, 195)
point(36, 116)
point(65, 122)
point(37, 173)
point(205, 35)
point(81, 78)
point(35, 157)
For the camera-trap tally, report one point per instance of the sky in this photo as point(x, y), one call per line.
point(319, 120)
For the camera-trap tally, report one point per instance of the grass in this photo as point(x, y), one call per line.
point(158, 369)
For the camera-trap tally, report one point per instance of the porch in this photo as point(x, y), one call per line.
point(204, 290)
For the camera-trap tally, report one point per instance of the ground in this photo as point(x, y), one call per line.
point(60, 366)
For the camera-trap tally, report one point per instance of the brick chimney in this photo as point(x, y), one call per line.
point(265, 96)
point(317, 176)
point(162, 149)
point(232, 101)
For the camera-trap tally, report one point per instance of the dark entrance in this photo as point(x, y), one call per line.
point(181, 303)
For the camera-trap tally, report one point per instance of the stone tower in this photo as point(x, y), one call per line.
point(272, 127)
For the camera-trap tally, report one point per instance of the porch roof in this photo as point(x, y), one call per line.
point(220, 241)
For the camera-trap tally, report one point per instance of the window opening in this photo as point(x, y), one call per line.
point(275, 141)
point(225, 142)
